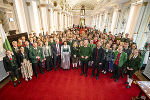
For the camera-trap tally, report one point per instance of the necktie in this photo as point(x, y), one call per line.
point(97, 54)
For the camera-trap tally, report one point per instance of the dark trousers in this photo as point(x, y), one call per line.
point(106, 65)
point(98, 69)
point(86, 66)
point(34, 67)
point(130, 73)
point(57, 59)
point(48, 63)
point(14, 73)
point(116, 71)
point(123, 68)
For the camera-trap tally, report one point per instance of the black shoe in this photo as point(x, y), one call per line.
point(92, 76)
point(73, 68)
point(128, 86)
point(116, 80)
point(81, 74)
point(19, 82)
point(111, 77)
point(85, 75)
point(15, 84)
point(96, 77)
point(126, 82)
point(42, 72)
point(76, 67)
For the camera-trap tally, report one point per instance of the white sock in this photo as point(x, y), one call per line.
point(128, 78)
point(73, 64)
point(130, 81)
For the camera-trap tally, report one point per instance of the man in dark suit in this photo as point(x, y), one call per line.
point(97, 58)
point(57, 54)
point(11, 66)
point(15, 50)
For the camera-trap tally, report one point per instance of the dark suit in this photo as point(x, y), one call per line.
point(15, 51)
point(57, 57)
point(12, 67)
point(97, 57)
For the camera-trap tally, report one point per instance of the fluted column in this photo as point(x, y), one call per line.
point(55, 20)
point(114, 20)
point(44, 17)
point(133, 18)
point(20, 13)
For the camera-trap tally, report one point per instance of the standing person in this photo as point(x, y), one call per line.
point(65, 56)
point(120, 58)
point(92, 46)
point(107, 58)
point(111, 62)
point(26, 66)
point(133, 65)
point(48, 55)
point(57, 54)
point(75, 54)
point(128, 51)
point(97, 58)
point(11, 67)
point(85, 54)
point(27, 48)
point(36, 58)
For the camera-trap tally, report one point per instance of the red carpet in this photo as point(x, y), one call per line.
point(69, 85)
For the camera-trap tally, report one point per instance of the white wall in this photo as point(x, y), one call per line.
point(76, 20)
point(88, 21)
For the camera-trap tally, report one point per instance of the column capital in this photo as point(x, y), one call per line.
point(145, 3)
point(28, 3)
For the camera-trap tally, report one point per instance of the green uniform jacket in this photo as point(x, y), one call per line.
point(134, 63)
point(122, 59)
point(85, 51)
point(33, 54)
point(92, 46)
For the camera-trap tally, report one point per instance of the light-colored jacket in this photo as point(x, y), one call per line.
point(47, 52)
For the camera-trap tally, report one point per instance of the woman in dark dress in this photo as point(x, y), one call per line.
point(132, 66)
point(74, 54)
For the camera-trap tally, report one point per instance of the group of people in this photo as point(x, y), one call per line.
point(100, 51)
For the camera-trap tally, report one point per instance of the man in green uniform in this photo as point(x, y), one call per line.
point(85, 54)
point(36, 56)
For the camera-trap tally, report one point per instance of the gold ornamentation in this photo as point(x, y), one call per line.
point(145, 3)
point(28, 3)
point(11, 3)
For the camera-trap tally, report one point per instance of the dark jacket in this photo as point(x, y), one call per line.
point(54, 50)
point(74, 51)
point(134, 63)
point(99, 57)
point(108, 55)
point(21, 57)
point(8, 64)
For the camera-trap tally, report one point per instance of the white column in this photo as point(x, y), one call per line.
point(62, 21)
point(65, 21)
point(55, 20)
point(114, 21)
point(19, 7)
point(132, 19)
point(51, 21)
point(34, 17)
point(44, 17)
